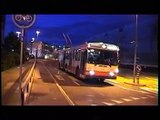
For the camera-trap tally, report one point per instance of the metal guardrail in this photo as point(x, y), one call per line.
point(26, 86)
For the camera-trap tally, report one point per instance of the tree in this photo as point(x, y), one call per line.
point(12, 43)
point(10, 52)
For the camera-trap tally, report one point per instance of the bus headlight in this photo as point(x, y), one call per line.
point(111, 74)
point(91, 72)
point(117, 71)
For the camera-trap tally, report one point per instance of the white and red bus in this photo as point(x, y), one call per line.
point(91, 60)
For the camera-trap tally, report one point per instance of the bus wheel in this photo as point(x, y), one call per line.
point(100, 80)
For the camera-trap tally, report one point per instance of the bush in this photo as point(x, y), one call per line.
point(9, 60)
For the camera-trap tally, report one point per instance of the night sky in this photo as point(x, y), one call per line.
point(117, 29)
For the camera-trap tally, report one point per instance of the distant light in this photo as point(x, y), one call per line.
point(12, 50)
point(28, 48)
point(33, 39)
point(37, 32)
point(92, 50)
point(89, 45)
point(132, 42)
point(46, 56)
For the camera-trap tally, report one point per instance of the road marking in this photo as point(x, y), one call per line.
point(135, 98)
point(90, 95)
point(150, 78)
point(107, 103)
point(150, 96)
point(117, 101)
point(54, 98)
point(110, 82)
point(93, 104)
point(61, 89)
point(144, 97)
point(72, 78)
point(127, 100)
point(149, 89)
point(76, 83)
point(59, 77)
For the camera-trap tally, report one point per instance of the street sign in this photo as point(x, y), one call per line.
point(138, 67)
point(23, 20)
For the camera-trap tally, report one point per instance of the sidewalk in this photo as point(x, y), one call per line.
point(146, 82)
point(10, 83)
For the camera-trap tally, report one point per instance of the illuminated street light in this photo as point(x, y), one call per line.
point(37, 33)
point(18, 33)
point(33, 39)
point(32, 43)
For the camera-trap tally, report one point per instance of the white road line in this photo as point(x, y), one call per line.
point(61, 89)
point(93, 104)
point(126, 99)
point(59, 77)
point(149, 89)
point(90, 95)
point(127, 88)
point(107, 103)
point(144, 97)
point(114, 81)
point(135, 98)
point(117, 101)
point(76, 83)
point(150, 96)
point(72, 78)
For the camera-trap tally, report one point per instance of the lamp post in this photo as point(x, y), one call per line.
point(31, 44)
point(135, 50)
point(37, 34)
point(18, 33)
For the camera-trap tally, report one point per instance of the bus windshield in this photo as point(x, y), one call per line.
point(102, 57)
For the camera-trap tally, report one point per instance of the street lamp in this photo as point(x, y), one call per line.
point(37, 33)
point(18, 33)
point(32, 43)
point(135, 50)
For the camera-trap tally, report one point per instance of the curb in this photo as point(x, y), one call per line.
point(135, 84)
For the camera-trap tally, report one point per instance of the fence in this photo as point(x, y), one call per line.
point(26, 86)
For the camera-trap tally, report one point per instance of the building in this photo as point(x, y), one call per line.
point(42, 49)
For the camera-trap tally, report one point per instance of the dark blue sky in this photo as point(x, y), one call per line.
point(117, 29)
point(80, 28)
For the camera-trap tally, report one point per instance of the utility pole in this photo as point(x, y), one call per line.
point(135, 50)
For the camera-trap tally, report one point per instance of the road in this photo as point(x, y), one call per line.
point(52, 86)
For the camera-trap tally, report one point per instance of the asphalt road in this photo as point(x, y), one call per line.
point(52, 86)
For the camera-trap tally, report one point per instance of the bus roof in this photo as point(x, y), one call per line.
point(95, 45)
point(99, 45)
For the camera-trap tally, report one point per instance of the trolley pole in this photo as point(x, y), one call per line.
point(135, 50)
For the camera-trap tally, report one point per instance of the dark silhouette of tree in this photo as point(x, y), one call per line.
point(12, 43)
